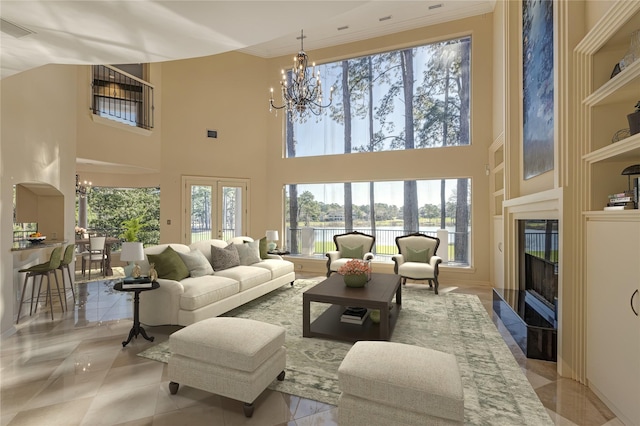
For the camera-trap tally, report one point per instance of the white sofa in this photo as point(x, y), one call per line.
point(193, 299)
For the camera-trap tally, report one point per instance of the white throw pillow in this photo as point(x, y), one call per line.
point(249, 252)
point(197, 263)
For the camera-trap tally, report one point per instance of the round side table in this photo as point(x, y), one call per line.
point(137, 328)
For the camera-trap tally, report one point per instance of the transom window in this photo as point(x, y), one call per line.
point(403, 99)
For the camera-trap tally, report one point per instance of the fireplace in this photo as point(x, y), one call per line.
point(530, 310)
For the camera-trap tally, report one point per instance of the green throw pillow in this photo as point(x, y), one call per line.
point(169, 265)
point(352, 252)
point(263, 248)
point(421, 256)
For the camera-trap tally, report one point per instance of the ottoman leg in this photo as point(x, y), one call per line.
point(247, 407)
point(281, 376)
point(173, 387)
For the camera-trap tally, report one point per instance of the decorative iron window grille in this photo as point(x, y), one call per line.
point(122, 97)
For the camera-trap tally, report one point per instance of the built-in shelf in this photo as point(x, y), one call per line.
point(624, 87)
point(626, 149)
point(624, 215)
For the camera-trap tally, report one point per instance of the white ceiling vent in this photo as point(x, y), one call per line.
point(14, 30)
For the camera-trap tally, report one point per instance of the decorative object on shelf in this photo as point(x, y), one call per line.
point(301, 89)
point(634, 120)
point(616, 70)
point(375, 316)
point(633, 53)
point(153, 274)
point(620, 134)
point(272, 237)
point(633, 171)
point(356, 273)
point(82, 188)
point(132, 252)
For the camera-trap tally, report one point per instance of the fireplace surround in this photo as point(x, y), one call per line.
point(530, 311)
point(532, 316)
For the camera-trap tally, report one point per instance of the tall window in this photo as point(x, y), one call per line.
point(404, 99)
point(317, 212)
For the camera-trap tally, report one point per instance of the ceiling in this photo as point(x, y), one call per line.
point(141, 31)
point(119, 32)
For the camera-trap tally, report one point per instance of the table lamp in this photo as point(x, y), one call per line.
point(132, 252)
point(632, 171)
point(272, 237)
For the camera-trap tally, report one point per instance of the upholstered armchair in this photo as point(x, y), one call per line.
point(352, 245)
point(417, 258)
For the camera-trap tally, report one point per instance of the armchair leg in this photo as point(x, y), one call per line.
point(436, 285)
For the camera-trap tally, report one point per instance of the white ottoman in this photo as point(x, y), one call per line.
point(387, 383)
point(233, 357)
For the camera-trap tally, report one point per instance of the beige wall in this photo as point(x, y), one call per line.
point(38, 145)
point(227, 93)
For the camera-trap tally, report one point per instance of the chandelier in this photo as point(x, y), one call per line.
point(301, 89)
point(82, 188)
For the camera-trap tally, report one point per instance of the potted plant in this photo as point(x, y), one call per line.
point(131, 229)
point(130, 235)
point(634, 120)
point(355, 272)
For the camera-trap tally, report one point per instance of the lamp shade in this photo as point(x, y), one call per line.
point(272, 235)
point(628, 171)
point(131, 252)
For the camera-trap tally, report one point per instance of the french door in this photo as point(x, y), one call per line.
point(214, 208)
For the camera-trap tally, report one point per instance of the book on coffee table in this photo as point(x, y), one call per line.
point(354, 315)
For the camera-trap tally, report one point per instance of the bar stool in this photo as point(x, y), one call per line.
point(41, 270)
point(69, 254)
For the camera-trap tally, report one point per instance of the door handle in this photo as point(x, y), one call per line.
point(632, 308)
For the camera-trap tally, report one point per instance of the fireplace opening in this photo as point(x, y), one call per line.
point(530, 312)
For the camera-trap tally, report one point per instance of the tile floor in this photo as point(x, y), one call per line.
point(74, 371)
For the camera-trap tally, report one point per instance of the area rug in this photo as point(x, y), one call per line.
point(496, 392)
point(118, 273)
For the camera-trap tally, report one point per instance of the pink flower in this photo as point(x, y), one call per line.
point(354, 267)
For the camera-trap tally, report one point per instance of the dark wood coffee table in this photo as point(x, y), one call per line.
point(378, 293)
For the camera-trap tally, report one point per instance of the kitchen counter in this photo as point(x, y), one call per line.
point(26, 245)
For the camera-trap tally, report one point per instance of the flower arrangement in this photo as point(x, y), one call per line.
point(80, 231)
point(355, 267)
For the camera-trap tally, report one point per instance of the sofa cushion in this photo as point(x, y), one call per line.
point(169, 265)
point(224, 258)
point(277, 267)
point(248, 252)
point(197, 263)
point(247, 276)
point(205, 290)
